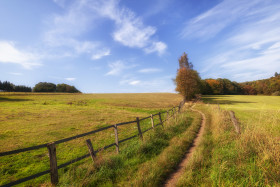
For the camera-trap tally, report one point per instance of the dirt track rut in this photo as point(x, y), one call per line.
point(173, 178)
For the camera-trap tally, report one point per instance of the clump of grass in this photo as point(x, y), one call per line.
point(259, 149)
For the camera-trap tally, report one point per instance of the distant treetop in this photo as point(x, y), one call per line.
point(40, 87)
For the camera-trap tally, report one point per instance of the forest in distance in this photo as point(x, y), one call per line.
point(270, 86)
point(40, 87)
point(220, 86)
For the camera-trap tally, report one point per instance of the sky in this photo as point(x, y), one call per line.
point(132, 46)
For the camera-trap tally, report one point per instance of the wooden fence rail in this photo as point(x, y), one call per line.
point(52, 146)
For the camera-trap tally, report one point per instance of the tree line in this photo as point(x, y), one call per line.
point(189, 84)
point(40, 87)
point(270, 86)
point(10, 87)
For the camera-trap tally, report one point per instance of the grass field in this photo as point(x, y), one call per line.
point(146, 163)
point(225, 158)
point(31, 119)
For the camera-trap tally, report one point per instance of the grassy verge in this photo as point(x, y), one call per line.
point(224, 158)
point(139, 163)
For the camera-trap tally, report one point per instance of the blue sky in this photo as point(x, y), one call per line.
point(133, 46)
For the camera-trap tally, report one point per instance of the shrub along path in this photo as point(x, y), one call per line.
point(173, 178)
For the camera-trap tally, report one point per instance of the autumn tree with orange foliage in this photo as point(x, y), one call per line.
point(187, 79)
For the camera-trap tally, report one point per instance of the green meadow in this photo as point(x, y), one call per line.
point(225, 158)
point(31, 119)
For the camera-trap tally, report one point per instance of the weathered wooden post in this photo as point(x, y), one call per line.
point(179, 108)
point(116, 137)
point(53, 163)
point(235, 122)
point(90, 149)
point(160, 120)
point(167, 114)
point(152, 121)
point(139, 128)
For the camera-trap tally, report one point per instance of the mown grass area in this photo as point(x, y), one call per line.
point(225, 158)
point(31, 119)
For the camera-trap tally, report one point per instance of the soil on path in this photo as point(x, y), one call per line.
point(173, 178)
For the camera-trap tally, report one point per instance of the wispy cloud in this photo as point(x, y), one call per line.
point(65, 29)
point(134, 82)
point(149, 70)
point(117, 67)
point(158, 47)
point(250, 51)
point(100, 54)
point(9, 53)
point(157, 84)
point(80, 17)
point(70, 79)
point(213, 21)
point(16, 74)
point(130, 30)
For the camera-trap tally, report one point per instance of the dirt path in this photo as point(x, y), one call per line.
point(173, 178)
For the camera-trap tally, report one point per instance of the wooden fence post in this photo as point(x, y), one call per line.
point(179, 108)
point(235, 122)
point(53, 163)
point(139, 128)
point(90, 149)
point(116, 137)
point(167, 114)
point(152, 120)
point(160, 118)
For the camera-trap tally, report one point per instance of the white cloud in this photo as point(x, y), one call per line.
point(100, 54)
point(70, 79)
point(117, 67)
point(132, 36)
point(130, 29)
point(158, 84)
point(16, 74)
point(149, 70)
point(134, 82)
point(213, 21)
point(10, 54)
point(251, 49)
point(81, 16)
point(158, 47)
point(65, 29)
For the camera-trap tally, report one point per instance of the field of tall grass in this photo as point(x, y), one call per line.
point(225, 158)
point(146, 163)
point(32, 119)
point(222, 158)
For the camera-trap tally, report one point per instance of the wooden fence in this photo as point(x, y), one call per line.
point(92, 153)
